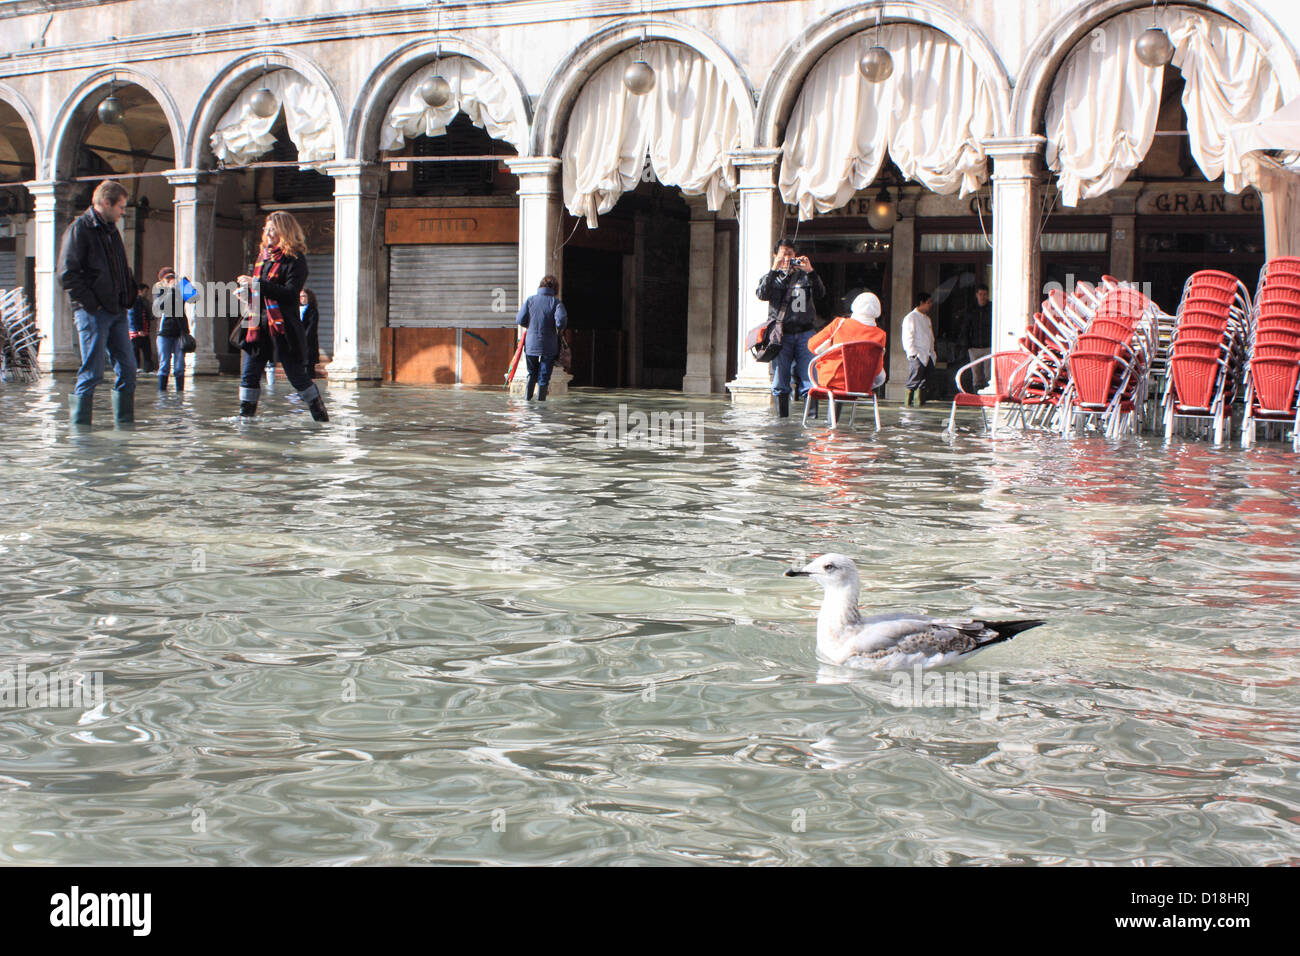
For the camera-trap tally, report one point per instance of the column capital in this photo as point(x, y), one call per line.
point(49, 190)
point(1014, 147)
point(523, 166)
point(746, 158)
point(189, 177)
point(354, 178)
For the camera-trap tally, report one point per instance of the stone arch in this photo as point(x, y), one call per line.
point(66, 128)
point(387, 78)
point(231, 81)
point(800, 56)
point(12, 98)
point(1046, 55)
point(553, 108)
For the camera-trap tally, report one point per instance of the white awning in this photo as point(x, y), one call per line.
point(476, 91)
point(687, 124)
point(930, 116)
point(1102, 112)
point(242, 136)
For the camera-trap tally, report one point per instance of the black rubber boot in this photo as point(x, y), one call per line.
point(180, 382)
point(247, 409)
point(541, 392)
point(528, 392)
point(124, 405)
point(783, 406)
point(317, 408)
point(81, 409)
point(162, 383)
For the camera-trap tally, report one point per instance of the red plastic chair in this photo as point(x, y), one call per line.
point(1008, 379)
point(1274, 382)
point(1286, 353)
point(1195, 381)
point(1286, 265)
point(1279, 295)
point(863, 363)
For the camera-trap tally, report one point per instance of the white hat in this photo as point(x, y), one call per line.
point(866, 308)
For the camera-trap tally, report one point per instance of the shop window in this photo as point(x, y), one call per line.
point(470, 178)
point(291, 184)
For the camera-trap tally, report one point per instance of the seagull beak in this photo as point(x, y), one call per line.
point(795, 574)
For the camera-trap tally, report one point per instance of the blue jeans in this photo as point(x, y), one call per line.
point(540, 368)
point(170, 357)
point(794, 354)
point(98, 332)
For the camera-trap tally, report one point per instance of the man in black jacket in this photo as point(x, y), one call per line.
point(94, 272)
point(789, 290)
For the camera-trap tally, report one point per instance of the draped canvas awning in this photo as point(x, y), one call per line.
point(1102, 112)
point(475, 91)
point(242, 136)
point(930, 116)
point(687, 124)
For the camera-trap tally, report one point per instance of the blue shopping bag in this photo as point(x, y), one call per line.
point(188, 292)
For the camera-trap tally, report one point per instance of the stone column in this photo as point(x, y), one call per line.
point(722, 291)
point(195, 207)
point(902, 294)
point(540, 214)
point(1123, 233)
point(699, 303)
point(1016, 287)
point(59, 350)
point(1279, 194)
point(357, 237)
point(759, 218)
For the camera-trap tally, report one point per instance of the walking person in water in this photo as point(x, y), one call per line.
point(169, 306)
point(543, 315)
point(276, 333)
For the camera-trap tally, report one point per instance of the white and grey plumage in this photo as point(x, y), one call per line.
point(891, 641)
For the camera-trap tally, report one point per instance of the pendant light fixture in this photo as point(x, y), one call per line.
point(264, 103)
point(883, 212)
point(1154, 47)
point(435, 90)
point(110, 110)
point(876, 65)
point(639, 77)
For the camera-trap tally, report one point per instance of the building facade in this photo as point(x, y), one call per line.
point(1013, 144)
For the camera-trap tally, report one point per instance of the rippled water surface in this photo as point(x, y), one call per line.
point(453, 627)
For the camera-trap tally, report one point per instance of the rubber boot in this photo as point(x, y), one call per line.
point(81, 409)
point(247, 409)
point(124, 405)
point(920, 397)
point(162, 383)
point(180, 382)
point(541, 392)
point(911, 394)
point(783, 406)
point(317, 408)
point(528, 392)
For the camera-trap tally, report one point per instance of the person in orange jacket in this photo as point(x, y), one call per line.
point(858, 326)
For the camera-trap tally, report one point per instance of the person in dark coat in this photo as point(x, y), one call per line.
point(311, 322)
point(137, 319)
point(276, 332)
point(789, 289)
point(544, 316)
point(169, 306)
point(94, 273)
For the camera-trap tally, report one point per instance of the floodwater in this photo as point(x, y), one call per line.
point(452, 627)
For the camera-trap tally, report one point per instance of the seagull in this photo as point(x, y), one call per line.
point(891, 641)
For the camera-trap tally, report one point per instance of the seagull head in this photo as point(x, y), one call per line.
point(831, 571)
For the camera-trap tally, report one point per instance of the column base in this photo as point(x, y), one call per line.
point(59, 361)
point(364, 376)
point(750, 391)
point(203, 365)
point(697, 385)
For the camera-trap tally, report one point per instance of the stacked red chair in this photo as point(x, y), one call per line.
point(1273, 353)
point(1206, 352)
point(1109, 363)
point(1008, 370)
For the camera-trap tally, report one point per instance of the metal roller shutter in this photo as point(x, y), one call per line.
point(444, 286)
point(320, 279)
point(9, 269)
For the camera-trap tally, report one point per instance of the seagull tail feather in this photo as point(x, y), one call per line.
point(1006, 630)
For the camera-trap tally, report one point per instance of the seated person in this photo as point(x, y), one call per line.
point(858, 326)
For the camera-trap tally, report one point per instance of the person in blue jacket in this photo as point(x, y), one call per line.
point(543, 316)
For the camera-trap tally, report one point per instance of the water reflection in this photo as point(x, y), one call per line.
point(452, 626)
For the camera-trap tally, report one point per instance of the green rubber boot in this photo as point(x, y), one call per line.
point(124, 405)
point(81, 409)
point(911, 394)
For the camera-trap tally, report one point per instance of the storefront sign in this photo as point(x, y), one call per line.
point(451, 226)
point(1195, 202)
